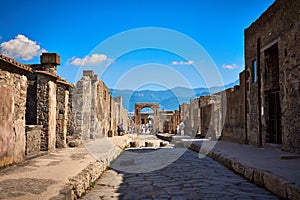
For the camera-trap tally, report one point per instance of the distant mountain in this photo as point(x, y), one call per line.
point(168, 99)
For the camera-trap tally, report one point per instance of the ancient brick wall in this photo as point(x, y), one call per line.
point(203, 115)
point(13, 91)
point(176, 120)
point(103, 108)
point(115, 114)
point(184, 110)
point(234, 124)
point(119, 115)
point(31, 103)
point(71, 128)
point(42, 99)
point(82, 106)
point(194, 115)
point(62, 112)
point(92, 106)
point(124, 118)
point(33, 139)
point(46, 110)
point(273, 42)
point(210, 115)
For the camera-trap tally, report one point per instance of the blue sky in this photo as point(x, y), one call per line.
point(75, 28)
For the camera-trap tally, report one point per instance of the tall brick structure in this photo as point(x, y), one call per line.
point(272, 58)
point(48, 101)
point(96, 113)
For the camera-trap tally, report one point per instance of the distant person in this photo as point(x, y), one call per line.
point(177, 129)
point(119, 130)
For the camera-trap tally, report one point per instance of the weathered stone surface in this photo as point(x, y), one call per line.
point(137, 114)
point(85, 180)
point(33, 139)
point(188, 177)
point(249, 173)
point(62, 112)
point(292, 191)
point(274, 184)
point(74, 143)
point(17, 188)
point(96, 112)
point(272, 42)
point(202, 116)
point(13, 90)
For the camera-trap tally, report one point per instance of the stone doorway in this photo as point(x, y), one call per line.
point(138, 115)
point(275, 134)
point(272, 95)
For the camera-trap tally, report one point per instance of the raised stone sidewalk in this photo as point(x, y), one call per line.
point(277, 171)
point(64, 174)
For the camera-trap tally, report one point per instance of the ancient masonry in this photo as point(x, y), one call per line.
point(13, 90)
point(35, 108)
point(97, 113)
point(38, 109)
point(265, 107)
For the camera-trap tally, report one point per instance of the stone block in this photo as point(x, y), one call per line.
point(50, 58)
point(238, 167)
point(33, 139)
point(292, 192)
point(274, 184)
point(258, 178)
point(249, 173)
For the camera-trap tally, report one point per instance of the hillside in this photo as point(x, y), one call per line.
point(168, 99)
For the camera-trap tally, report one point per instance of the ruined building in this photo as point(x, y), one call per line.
point(48, 102)
point(272, 64)
point(97, 113)
point(265, 107)
point(202, 115)
point(119, 115)
point(39, 109)
point(35, 108)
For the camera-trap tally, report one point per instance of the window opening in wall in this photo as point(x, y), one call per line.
point(254, 69)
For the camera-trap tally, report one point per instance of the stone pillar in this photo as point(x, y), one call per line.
point(46, 99)
point(62, 113)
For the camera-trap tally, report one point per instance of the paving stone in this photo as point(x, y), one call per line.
point(205, 179)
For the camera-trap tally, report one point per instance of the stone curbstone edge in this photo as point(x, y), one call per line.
point(273, 183)
point(78, 185)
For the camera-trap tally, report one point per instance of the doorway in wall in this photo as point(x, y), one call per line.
point(272, 95)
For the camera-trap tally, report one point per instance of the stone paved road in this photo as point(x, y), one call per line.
point(188, 177)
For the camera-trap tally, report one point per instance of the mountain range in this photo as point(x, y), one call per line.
point(168, 99)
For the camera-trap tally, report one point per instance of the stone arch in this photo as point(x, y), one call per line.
point(137, 114)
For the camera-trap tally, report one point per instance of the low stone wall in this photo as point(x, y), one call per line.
point(33, 139)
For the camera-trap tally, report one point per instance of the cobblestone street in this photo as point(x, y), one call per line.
point(188, 177)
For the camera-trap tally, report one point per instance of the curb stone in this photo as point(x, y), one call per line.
point(273, 183)
point(82, 182)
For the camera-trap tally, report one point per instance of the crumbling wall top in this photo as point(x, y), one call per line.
point(15, 63)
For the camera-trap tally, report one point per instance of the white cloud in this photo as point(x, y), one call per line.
point(230, 67)
point(21, 47)
point(190, 62)
point(92, 60)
